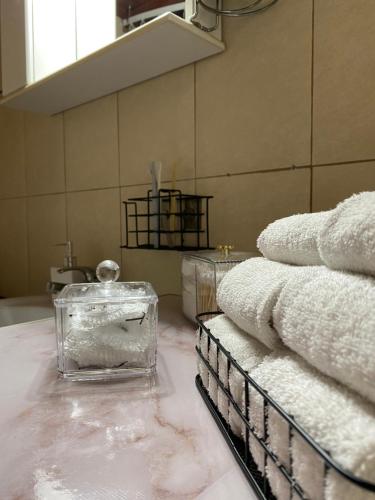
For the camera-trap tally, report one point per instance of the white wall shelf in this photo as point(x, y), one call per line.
point(164, 44)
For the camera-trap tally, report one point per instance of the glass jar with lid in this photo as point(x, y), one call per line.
point(202, 273)
point(108, 329)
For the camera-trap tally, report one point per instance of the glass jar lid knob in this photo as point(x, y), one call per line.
point(108, 271)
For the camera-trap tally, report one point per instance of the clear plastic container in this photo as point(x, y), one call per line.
point(202, 273)
point(106, 330)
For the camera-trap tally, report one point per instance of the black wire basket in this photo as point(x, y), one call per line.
point(239, 447)
point(171, 220)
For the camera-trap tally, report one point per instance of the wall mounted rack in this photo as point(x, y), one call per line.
point(171, 220)
point(214, 8)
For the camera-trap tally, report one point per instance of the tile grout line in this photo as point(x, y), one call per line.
point(312, 103)
point(119, 181)
point(343, 162)
point(195, 126)
point(236, 174)
point(65, 178)
point(118, 139)
point(28, 260)
point(28, 246)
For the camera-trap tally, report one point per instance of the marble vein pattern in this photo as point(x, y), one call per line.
point(63, 440)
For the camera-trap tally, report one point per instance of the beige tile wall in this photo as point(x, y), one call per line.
point(334, 183)
point(14, 276)
point(253, 102)
point(93, 219)
point(256, 200)
point(157, 122)
point(12, 154)
point(344, 94)
point(46, 217)
point(91, 145)
point(282, 122)
point(44, 158)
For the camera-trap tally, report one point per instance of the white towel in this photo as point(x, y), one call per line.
point(213, 361)
point(248, 353)
point(308, 467)
point(109, 346)
point(241, 347)
point(293, 240)
point(248, 358)
point(202, 343)
point(89, 318)
point(328, 317)
point(279, 484)
point(256, 419)
point(337, 419)
point(255, 415)
point(347, 239)
point(278, 438)
point(248, 294)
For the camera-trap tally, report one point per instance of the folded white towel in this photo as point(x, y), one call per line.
point(109, 346)
point(328, 317)
point(280, 486)
point(251, 356)
point(293, 240)
point(249, 292)
point(308, 467)
point(278, 438)
point(213, 361)
point(255, 416)
point(256, 420)
point(342, 238)
point(347, 239)
point(202, 343)
point(337, 419)
point(107, 314)
point(241, 347)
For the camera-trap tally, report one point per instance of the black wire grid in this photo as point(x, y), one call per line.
point(190, 226)
point(239, 447)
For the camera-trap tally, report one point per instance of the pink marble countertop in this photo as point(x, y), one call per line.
point(63, 440)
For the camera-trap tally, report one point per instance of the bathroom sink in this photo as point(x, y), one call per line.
point(25, 309)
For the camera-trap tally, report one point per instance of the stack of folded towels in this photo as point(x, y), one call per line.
point(301, 322)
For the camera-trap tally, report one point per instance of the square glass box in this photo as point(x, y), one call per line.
point(202, 273)
point(106, 330)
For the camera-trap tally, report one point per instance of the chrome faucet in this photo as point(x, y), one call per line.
point(88, 273)
point(70, 263)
